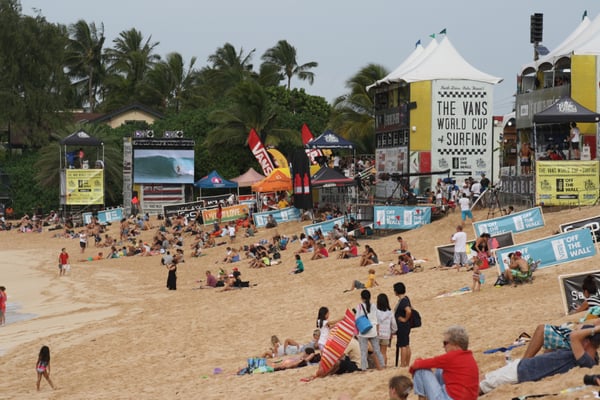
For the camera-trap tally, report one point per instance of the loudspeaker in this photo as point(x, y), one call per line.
point(536, 28)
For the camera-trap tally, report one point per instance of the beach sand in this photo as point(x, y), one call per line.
point(116, 332)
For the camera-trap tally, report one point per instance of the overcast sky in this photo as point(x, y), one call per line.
point(342, 36)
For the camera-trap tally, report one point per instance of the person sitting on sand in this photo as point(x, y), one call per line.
point(305, 244)
point(261, 262)
point(309, 356)
point(517, 268)
point(371, 282)
point(211, 281)
point(232, 256)
point(97, 257)
point(320, 252)
point(369, 257)
point(299, 265)
point(350, 251)
point(590, 294)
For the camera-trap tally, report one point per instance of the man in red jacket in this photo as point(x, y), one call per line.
point(456, 376)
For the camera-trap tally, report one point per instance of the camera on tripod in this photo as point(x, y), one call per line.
point(591, 380)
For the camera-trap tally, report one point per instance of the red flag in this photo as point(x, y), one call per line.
point(297, 184)
point(259, 151)
point(307, 136)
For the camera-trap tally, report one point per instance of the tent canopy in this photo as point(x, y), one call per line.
point(329, 177)
point(275, 182)
point(566, 110)
point(214, 181)
point(80, 138)
point(329, 140)
point(248, 178)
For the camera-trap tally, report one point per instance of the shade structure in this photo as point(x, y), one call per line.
point(248, 178)
point(277, 181)
point(565, 110)
point(329, 177)
point(214, 181)
point(329, 140)
point(80, 138)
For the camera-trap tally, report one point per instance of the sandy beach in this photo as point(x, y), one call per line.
point(115, 331)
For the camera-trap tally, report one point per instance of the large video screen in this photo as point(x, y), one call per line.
point(163, 166)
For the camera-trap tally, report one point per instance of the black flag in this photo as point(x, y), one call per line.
point(301, 180)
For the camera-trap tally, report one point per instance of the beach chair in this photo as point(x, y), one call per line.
point(533, 265)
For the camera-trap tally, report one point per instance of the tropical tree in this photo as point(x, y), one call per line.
point(173, 81)
point(129, 62)
point(250, 108)
point(34, 89)
point(227, 68)
point(84, 59)
point(282, 57)
point(353, 113)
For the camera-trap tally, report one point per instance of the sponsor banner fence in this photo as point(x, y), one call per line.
point(516, 222)
point(445, 253)
point(85, 186)
point(567, 182)
point(570, 287)
point(230, 213)
point(190, 210)
point(593, 224)
point(558, 249)
point(213, 201)
point(104, 216)
point(283, 215)
point(394, 217)
point(325, 226)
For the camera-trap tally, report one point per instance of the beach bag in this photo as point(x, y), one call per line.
point(363, 324)
point(415, 319)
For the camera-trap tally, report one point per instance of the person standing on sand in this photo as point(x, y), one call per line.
point(63, 260)
point(460, 248)
point(465, 208)
point(402, 313)
point(43, 367)
point(82, 241)
point(3, 298)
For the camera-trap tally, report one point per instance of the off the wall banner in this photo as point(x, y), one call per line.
point(567, 182)
point(104, 216)
point(85, 186)
point(593, 224)
point(445, 253)
point(570, 287)
point(516, 222)
point(392, 217)
point(259, 151)
point(231, 213)
point(282, 215)
point(325, 226)
point(558, 249)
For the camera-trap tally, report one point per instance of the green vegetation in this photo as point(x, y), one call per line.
point(48, 70)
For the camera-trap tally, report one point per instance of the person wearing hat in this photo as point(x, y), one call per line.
point(517, 268)
point(583, 353)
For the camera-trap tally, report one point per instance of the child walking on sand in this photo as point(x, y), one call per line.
point(43, 367)
point(476, 274)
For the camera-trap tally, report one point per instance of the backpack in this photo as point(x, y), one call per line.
point(415, 319)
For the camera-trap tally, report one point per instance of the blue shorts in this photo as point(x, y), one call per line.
point(465, 214)
point(556, 337)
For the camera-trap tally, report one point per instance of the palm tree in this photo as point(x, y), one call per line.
point(227, 68)
point(283, 57)
point(173, 81)
point(84, 58)
point(129, 63)
point(250, 108)
point(352, 115)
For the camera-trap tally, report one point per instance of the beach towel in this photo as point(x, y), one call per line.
point(339, 338)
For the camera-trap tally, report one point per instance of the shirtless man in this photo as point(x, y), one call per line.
point(525, 158)
point(517, 268)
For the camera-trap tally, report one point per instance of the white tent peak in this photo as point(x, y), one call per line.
point(437, 61)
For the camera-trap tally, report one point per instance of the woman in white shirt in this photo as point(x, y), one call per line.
point(368, 309)
point(386, 323)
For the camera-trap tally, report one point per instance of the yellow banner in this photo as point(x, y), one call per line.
point(85, 186)
point(567, 182)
